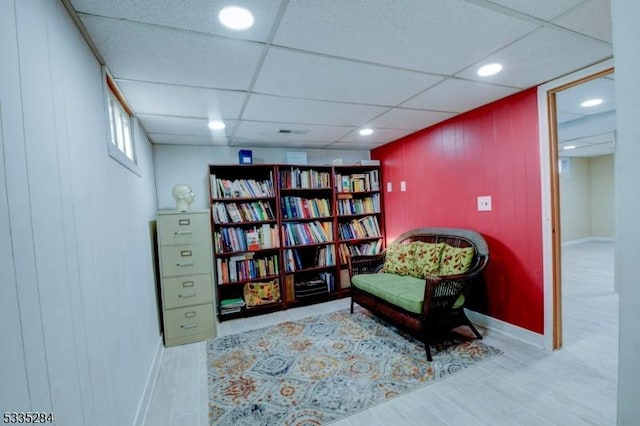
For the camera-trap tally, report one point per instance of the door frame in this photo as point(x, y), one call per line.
point(551, 233)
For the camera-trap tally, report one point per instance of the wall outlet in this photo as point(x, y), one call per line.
point(403, 186)
point(484, 203)
point(389, 187)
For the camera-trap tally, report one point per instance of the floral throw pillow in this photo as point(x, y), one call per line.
point(456, 260)
point(256, 294)
point(399, 259)
point(426, 258)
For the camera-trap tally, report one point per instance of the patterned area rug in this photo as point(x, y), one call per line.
point(319, 369)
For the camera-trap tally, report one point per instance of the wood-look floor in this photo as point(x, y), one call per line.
point(576, 385)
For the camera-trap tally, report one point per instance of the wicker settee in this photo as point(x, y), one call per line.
point(427, 296)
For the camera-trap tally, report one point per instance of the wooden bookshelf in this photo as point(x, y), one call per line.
point(292, 224)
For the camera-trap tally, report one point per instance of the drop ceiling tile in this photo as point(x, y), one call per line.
point(183, 126)
point(301, 75)
point(592, 18)
point(563, 117)
point(359, 145)
point(569, 100)
point(148, 53)
point(164, 99)
point(395, 32)
point(541, 9)
point(294, 144)
point(192, 15)
point(540, 57)
point(588, 126)
point(289, 110)
point(378, 136)
point(270, 132)
point(455, 95)
point(165, 139)
point(409, 119)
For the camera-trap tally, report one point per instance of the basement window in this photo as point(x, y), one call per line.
point(121, 121)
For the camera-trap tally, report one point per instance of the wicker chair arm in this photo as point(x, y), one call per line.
point(441, 293)
point(365, 264)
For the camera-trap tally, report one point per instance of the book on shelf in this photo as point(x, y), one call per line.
point(327, 277)
point(253, 239)
point(234, 213)
point(230, 306)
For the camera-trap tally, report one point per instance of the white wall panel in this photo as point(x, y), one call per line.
point(80, 226)
point(626, 33)
point(29, 333)
point(13, 369)
point(575, 201)
point(602, 196)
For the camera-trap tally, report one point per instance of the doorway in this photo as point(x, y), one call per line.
point(581, 128)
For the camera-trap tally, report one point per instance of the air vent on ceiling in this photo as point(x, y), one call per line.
point(294, 132)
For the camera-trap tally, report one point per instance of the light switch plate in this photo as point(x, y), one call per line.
point(389, 187)
point(484, 203)
point(403, 186)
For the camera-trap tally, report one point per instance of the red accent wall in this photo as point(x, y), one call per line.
point(492, 150)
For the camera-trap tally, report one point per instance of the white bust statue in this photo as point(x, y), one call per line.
point(183, 196)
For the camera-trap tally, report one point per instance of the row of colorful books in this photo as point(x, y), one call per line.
point(296, 233)
point(239, 239)
point(304, 208)
point(365, 227)
point(359, 205)
point(245, 267)
point(298, 259)
point(240, 188)
point(358, 182)
point(370, 247)
point(304, 179)
point(242, 212)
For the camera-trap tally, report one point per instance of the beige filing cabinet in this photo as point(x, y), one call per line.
point(186, 263)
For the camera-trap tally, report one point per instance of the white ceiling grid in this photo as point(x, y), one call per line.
point(325, 68)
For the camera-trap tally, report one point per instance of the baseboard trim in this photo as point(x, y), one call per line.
point(513, 331)
point(588, 240)
point(147, 391)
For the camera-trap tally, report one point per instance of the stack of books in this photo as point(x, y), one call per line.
point(230, 306)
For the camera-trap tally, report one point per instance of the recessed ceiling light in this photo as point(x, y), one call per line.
point(236, 18)
point(490, 69)
point(569, 147)
point(591, 103)
point(216, 125)
point(366, 132)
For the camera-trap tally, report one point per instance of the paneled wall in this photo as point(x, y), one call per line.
point(492, 151)
point(587, 199)
point(79, 314)
point(626, 33)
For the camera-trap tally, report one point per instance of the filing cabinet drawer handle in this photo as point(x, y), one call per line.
point(190, 325)
point(187, 295)
point(184, 222)
point(186, 284)
point(182, 233)
point(185, 264)
point(185, 253)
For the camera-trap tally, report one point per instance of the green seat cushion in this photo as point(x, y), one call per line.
point(455, 260)
point(406, 292)
point(399, 259)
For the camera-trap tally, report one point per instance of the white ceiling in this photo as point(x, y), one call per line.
point(590, 130)
point(326, 68)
